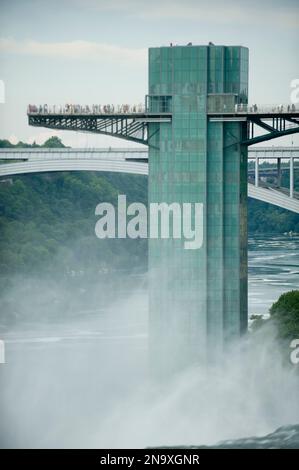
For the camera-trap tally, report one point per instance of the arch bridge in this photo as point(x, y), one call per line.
point(135, 161)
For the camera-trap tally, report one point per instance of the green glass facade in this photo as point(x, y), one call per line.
point(198, 298)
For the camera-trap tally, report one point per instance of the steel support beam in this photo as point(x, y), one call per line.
point(270, 136)
point(133, 127)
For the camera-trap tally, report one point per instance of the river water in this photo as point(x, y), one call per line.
point(273, 269)
point(84, 382)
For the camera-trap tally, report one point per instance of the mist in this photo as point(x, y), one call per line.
point(81, 377)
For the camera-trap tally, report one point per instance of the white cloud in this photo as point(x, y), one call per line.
point(73, 50)
point(212, 12)
point(13, 139)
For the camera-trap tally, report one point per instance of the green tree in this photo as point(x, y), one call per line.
point(53, 142)
point(4, 143)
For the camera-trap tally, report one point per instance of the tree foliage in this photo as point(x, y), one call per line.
point(285, 313)
point(47, 222)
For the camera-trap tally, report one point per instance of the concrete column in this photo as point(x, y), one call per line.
point(291, 177)
point(279, 172)
point(256, 180)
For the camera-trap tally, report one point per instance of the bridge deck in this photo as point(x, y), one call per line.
point(131, 152)
point(146, 115)
point(123, 161)
point(258, 114)
point(134, 125)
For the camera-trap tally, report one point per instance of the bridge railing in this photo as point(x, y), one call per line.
point(223, 108)
point(266, 109)
point(219, 108)
point(68, 109)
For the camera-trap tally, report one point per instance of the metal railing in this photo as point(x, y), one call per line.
point(140, 108)
point(256, 109)
point(86, 109)
point(267, 109)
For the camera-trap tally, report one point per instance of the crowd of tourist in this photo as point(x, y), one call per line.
point(139, 108)
point(290, 108)
point(93, 109)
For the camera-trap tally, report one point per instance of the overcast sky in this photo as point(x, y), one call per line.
point(95, 51)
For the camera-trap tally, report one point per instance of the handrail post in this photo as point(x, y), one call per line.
point(256, 179)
